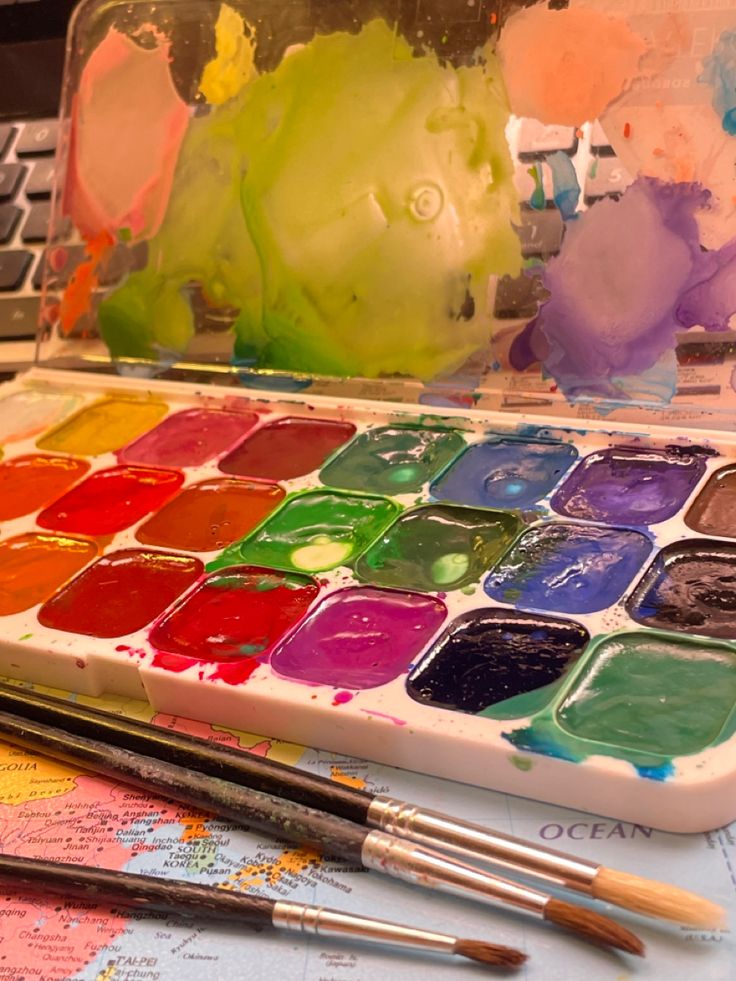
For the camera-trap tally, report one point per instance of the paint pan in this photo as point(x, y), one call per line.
point(690, 586)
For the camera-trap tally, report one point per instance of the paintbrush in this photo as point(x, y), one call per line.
point(316, 829)
point(176, 897)
point(374, 811)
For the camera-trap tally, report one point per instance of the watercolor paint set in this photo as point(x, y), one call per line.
point(521, 606)
point(374, 409)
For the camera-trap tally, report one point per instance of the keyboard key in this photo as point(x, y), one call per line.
point(606, 177)
point(599, 142)
point(540, 232)
point(518, 296)
point(40, 182)
point(67, 260)
point(537, 140)
point(6, 138)
point(526, 185)
point(11, 176)
point(19, 317)
point(38, 138)
point(37, 222)
point(9, 216)
point(13, 267)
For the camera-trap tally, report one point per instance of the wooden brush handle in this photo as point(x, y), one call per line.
point(279, 818)
point(125, 888)
point(225, 762)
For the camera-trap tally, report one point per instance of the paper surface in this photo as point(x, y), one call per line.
point(52, 811)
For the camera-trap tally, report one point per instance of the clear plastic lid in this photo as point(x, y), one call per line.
point(432, 200)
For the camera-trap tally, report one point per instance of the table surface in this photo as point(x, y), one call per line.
point(54, 811)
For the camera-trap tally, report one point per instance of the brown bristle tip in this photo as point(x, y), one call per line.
point(593, 926)
point(492, 954)
point(660, 899)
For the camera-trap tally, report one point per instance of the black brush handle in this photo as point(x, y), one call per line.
point(225, 762)
point(141, 891)
point(280, 818)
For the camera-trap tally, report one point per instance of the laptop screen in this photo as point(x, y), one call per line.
point(32, 34)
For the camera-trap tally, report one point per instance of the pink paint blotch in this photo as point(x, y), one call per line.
point(383, 715)
point(342, 697)
point(128, 122)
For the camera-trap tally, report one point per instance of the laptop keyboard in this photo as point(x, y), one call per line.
point(26, 182)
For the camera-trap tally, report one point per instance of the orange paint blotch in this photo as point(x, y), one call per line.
point(564, 66)
point(627, 130)
point(77, 298)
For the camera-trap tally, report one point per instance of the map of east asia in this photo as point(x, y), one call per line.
point(53, 811)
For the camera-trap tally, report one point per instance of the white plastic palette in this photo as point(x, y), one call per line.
point(572, 643)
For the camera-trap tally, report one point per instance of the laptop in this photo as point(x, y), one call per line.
point(32, 40)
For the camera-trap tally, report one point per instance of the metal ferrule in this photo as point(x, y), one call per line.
point(473, 840)
point(330, 923)
point(433, 870)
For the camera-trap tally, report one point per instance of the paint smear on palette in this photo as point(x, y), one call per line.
point(111, 500)
point(210, 515)
point(287, 448)
point(120, 593)
point(28, 483)
point(500, 663)
point(238, 614)
point(392, 459)
point(565, 185)
point(613, 312)
point(629, 486)
point(125, 97)
point(438, 547)
point(690, 586)
point(189, 438)
point(313, 532)
point(103, 426)
point(719, 71)
point(565, 66)
point(714, 509)
point(33, 566)
point(567, 568)
point(644, 698)
point(27, 413)
point(505, 473)
point(359, 638)
point(338, 308)
point(233, 65)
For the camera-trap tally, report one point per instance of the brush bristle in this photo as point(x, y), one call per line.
point(657, 899)
point(593, 926)
point(493, 954)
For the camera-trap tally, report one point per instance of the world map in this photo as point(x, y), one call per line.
point(54, 811)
